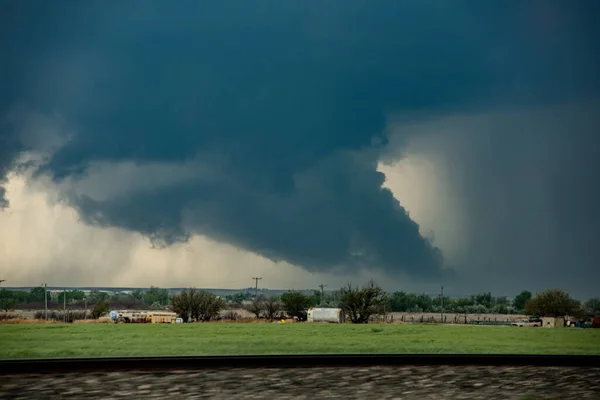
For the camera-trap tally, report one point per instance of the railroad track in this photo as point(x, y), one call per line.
point(305, 377)
point(66, 365)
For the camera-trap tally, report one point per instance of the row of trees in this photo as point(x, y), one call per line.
point(292, 303)
point(9, 299)
point(359, 303)
point(153, 297)
point(483, 303)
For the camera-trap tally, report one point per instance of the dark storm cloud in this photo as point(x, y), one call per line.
point(528, 181)
point(286, 98)
point(329, 221)
point(9, 149)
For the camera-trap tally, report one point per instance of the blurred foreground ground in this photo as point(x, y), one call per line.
point(316, 383)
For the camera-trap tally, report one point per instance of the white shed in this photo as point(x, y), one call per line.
point(333, 315)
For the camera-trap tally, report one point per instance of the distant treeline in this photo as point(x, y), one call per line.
point(483, 303)
point(34, 299)
point(158, 298)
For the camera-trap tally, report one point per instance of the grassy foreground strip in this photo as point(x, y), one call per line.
point(104, 340)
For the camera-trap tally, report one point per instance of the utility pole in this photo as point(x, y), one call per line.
point(322, 289)
point(85, 306)
point(442, 303)
point(322, 292)
point(46, 300)
point(65, 305)
point(256, 287)
point(384, 313)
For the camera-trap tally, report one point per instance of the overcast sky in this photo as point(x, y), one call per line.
point(422, 144)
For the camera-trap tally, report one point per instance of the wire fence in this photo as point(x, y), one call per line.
point(450, 318)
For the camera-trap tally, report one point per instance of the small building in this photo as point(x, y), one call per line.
point(332, 315)
point(553, 322)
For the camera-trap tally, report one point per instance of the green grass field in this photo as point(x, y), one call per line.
point(81, 340)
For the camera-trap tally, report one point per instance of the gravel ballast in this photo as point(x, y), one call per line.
point(404, 382)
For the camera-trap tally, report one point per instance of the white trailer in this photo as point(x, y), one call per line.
point(332, 315)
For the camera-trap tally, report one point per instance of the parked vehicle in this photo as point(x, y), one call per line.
point(531, 321)
point(142, 317)
point(489, 322)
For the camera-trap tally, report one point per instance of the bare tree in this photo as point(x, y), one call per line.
point(230, 315)
point(257, 307)
point(272, 306)
point(208, 305)
point(361, 304)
